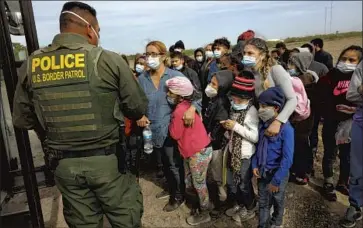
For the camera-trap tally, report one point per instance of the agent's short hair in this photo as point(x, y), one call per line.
point(64, 19)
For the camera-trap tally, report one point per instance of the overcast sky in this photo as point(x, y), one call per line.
point(127, 26)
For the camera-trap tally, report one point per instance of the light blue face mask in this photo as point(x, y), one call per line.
point(248, 61)
point(171, 101)
point(239, 107)
point(293, 72)
point(139, 68)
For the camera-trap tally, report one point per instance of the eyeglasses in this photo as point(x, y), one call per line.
point(152, 54)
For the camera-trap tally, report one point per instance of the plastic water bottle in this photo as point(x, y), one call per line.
point(148, 145)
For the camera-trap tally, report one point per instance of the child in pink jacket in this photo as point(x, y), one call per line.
point(193, 144)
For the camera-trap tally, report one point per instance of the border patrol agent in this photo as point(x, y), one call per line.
point(78, 93)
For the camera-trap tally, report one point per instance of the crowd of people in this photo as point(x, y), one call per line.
point(241, 120)
point(255, 124)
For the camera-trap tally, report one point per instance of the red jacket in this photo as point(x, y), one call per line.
point(191, 140)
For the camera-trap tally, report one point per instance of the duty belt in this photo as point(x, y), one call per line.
point(112, 149)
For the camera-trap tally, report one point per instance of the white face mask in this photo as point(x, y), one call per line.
point(153, 63)
point(199, 58)
point(178, 50)
point(179, 67)
point(266, 114)
point(209, 54)
point(84, 20)
point(210, 91)
point(139, 68)
point(346, 67)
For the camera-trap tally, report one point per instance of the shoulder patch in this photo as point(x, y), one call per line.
point(57, 69)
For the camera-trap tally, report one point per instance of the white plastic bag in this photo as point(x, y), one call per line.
point(342, 136)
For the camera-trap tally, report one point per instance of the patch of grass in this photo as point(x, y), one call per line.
point(289, 40)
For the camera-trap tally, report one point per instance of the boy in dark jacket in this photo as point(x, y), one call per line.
point(273, 159)
point(217, 111)
point(178, 63)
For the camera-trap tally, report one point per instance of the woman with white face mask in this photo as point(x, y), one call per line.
point(338, 113)
point(269, 74)
point(159, 116)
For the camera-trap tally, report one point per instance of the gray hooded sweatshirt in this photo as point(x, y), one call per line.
point(302, 61)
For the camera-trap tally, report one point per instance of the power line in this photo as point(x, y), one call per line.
point(331, 15)
point(326, 10)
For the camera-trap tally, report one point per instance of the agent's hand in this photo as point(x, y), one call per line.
point(143, 122)
point(273, 129)
point(256, 173)
point(228, 124)
point(189, 116)
point(273, 188)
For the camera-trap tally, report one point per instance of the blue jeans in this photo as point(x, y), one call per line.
point(173, 168)
point(268, 199)
point(356, 167)
point(243, 192)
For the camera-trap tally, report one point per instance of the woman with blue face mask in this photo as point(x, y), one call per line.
point(268, 74)
point(159, 117)
point(338, 113)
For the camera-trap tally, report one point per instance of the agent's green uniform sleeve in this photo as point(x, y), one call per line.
point(23, 107)
point(132, 98)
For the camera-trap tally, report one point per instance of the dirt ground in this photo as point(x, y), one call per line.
point(304, 205)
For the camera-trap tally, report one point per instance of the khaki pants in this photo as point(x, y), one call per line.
point(93, 186)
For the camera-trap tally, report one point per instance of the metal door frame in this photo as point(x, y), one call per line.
point(11, 78)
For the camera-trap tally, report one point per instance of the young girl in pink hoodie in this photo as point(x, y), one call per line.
point(193, 144)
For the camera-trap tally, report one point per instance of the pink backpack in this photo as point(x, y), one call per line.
point(302, 111)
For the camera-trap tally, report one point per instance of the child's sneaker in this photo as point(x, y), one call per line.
point(302, 181)
point(232, 211)
point(342, 189)
point(351, 217)
point(244, 215)
point(329, 192)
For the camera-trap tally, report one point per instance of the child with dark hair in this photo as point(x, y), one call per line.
point(178, 63)
point(220, 47)
point(303, 156)
point(242, 132)
point(337, 112)
point(217, 111)
point(273, 159)
point(230, 62)
point(321, 55)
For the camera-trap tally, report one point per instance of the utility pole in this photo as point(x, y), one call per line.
point(326, 12)
point(331, 14)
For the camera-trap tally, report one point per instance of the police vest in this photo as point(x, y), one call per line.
point(68, 107)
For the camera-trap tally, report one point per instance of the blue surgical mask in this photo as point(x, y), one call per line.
point(239, 107)
point(217, 54)
point(248, 61)
point(139, 68)
point(153, 63)
point(171, 100)
point(293, 72)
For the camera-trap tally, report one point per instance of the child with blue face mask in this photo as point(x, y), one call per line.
point(242, 132)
